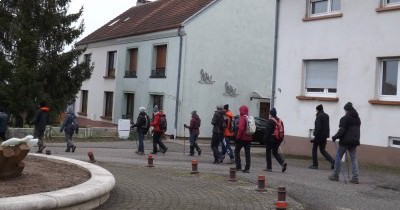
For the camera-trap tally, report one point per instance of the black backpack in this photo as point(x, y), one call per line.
point(163, 123)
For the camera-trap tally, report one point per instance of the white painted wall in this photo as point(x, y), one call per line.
point(232, 41)
point(142, 86)
point(357, 39)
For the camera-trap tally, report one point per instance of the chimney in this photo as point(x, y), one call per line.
point(141, 2)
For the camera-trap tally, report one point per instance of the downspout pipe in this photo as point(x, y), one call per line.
point(277, 8)
point(181, 33)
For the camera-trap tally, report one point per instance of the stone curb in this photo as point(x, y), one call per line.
point(87, 195)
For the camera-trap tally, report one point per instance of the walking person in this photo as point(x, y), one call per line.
point(349, 138)
point(194, 126)
point(321, 133)
point(243, 140)
point(228, 134)
point(273, 141)
point(40, 121)
point(218, 133)
point(70, 126)
point(159, 124)
point(3, 123)
point(142, 124)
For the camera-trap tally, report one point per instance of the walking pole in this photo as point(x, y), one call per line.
point(344, 176)
point(184, 140)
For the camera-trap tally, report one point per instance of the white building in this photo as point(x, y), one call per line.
point(181, 56)
point(334, 51)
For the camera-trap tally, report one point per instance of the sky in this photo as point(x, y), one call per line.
point(96, 13)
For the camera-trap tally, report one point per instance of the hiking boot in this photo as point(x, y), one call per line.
point(246, 171)
point(41, 148)
point(153, 153)
point(68, 149)
point(313, 167)
point(268, 169)
point(199, 152)
point(165, 150)
point(333, 177)
point(333, 164)
point(191, 154)
point(284, 166)
point(139, 153)
point(354, 181)
point(73, 148)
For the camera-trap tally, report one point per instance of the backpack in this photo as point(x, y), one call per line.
point(227, 123)
point(146, 124)
point(251, 125)
point(163, 123)
point(279, 132)
point(234, 124)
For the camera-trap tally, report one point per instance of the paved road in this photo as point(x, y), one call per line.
point(170, 186)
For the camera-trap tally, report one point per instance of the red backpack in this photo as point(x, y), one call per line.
point(279, 131)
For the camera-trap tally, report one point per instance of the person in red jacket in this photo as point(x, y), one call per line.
point(158, 131)
point(243, 140)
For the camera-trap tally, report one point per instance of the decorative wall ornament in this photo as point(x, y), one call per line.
point(229, 90)
point(205, 78)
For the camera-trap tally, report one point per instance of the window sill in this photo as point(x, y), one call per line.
point(323, 17)
point(82, 114)
point(106, 118)
point(313, 98)
point(388, 103)
point(158, 77)
point(387, 8)
point(109, 77)
point(130, 76)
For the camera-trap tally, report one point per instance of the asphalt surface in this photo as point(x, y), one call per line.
point(169, 185)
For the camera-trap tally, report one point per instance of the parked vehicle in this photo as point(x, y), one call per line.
point(258, 136)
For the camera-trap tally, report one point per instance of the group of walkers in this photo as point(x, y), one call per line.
point(349, 138)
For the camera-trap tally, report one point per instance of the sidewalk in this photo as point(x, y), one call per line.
point(169, 185)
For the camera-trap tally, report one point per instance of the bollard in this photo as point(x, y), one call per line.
point(150, 161)
point(261, 183)
point(91, 157)
point(194, 167)
point(281, 204)
point(232, 174)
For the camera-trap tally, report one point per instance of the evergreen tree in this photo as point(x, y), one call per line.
point(33, 64)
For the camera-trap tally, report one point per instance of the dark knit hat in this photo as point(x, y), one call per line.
point(348, 106)
point(194, 112)
point(226, 106)
point(220, 107)
point(320, 107)
point(272, 112)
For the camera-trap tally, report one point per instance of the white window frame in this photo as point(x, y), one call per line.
point(325, 92)
point(328, 9)
point(389, 97)
point(387, 4)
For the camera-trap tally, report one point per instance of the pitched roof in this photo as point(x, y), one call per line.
point(155, 16)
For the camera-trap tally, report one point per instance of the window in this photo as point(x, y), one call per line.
point(323, 7)
point(159, 61)
point(129, 97)
point(84, 101)
point(157, 100)
point(391, 2)
point(321, 77)
point(132, 65)
point(87, 58)
point(111, 61)
point(108, 105)
point(389, 79)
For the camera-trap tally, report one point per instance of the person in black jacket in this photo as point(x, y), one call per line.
point(272, 144)
point(321, 133)
point(40, 121)
point(142, 124)
point(217, 134)
point(349, 135)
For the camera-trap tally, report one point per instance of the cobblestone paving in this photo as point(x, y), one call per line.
point(140, 187)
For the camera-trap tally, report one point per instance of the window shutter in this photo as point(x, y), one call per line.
point(321, 74)
point(161, 57)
